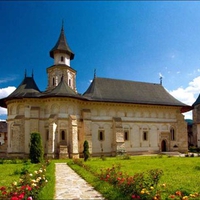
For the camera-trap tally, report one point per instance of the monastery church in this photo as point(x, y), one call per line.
point(114, 116)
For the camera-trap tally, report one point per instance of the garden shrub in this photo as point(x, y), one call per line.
point(36, 149)
point(140, 185)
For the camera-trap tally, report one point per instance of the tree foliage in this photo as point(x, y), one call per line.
point(36, 149)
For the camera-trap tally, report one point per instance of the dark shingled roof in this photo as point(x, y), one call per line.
point(112, 90)
point(62, 46)
point(27, 88)
point(197, 102)
point(62, 90)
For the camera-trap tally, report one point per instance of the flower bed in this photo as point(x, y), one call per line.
point(28, 186)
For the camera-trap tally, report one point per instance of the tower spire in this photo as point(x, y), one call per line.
point(160, 80)
point(62, 25)
point(95, 73)
point(62, 47)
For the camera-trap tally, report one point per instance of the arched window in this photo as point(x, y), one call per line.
point(172, 133)
point(63, 135)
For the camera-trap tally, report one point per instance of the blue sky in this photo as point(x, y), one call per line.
point(131, 40)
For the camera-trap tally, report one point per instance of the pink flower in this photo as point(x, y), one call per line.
point(29, 198)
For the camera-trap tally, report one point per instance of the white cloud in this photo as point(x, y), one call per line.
point(7, 79)
point(188, 95)
point(4, 92)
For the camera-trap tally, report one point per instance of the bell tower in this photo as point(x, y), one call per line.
point(62, 55)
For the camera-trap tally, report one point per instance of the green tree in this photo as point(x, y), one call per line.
point(36, 149)
point(86, 153)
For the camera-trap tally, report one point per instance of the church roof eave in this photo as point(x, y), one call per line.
point(61, 65)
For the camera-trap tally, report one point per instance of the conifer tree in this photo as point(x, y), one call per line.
point(36, 149)
point(86, 153)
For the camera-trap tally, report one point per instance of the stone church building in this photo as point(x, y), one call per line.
point(112, 115)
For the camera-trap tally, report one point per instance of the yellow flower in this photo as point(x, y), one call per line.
point(30, 174)
point(14, 183)
point(151, 187)
point(33, 184)
point(185, 198)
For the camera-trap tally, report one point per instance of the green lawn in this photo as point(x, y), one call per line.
point(180, 173)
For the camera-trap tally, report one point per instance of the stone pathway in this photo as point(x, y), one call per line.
point(70, 185)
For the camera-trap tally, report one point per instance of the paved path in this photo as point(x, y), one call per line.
point(70, 185)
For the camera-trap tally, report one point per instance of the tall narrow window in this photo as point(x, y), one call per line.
point(63, 135)
point(172, 132)
point(145, 135)
point(69, 82)
point(101, 135)
point(62, 59)
point(47, 134)
point(126, 135)
point(53, 81)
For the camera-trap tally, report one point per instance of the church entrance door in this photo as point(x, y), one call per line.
point(163, 146)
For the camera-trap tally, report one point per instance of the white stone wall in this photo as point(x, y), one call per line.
point(54, 115)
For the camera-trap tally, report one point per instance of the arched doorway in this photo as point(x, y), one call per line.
point(163, 146)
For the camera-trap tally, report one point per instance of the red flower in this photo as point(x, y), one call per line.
point(14, 198)
point(135, 196)
point(2, 188)
point(28, 188)
point(21, 196)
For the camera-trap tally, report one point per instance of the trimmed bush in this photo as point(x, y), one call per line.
point(36, 149)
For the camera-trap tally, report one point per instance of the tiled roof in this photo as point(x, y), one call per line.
point(62, 46)
point(113, 90)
